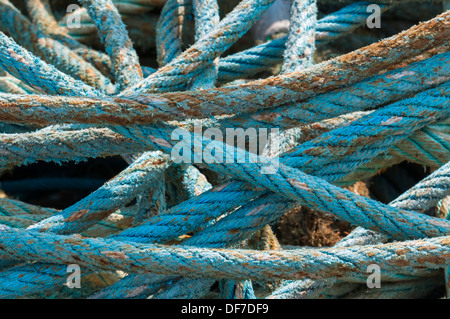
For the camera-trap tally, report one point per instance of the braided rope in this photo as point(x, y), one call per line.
point(420, 200)
point(326, 141)
point(9, 84)
point(238, 225)
point(111, 196)
point(368, 94)
point(196, 262)
point(259, 58)
point(169, 30)
point(38, 74)
point(75, 145)
point(175, 108)
point(50, 50)
point(300, 45)
point(164, 232)
point(371, 93)
point(167, 140)
point(146, 231)
point(42, 16)
point(124, 59)
point(18, 214)
point(206, 14)
point(197, 57)
point(141, 29)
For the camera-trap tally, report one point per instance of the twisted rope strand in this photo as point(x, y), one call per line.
point(42, 17)
point(438, 187)
point(240, 224)
point(270, 53)
point(371, 93)
point(206, 18)
point(289, 181)
point(38, 74)
point(326, 141)
point(169, 30)
point(174, 75)
point(300, 45)
point(50, 50)
point(124, 59)
point(111, 196)
point(374, 92)
point(240, 264)
point(251, 209)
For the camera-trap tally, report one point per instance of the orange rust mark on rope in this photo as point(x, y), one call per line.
point(115, 254)
point(402, 251)
point(429, 247)
point(221, 187)
point(392, 120)
point(401, 262)
point(73, 241)
point(298, 184)
point(442, 259)
point(266, 116)
point(76, 215)
point(18, 57)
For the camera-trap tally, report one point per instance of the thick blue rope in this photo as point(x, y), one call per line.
point(116, 111)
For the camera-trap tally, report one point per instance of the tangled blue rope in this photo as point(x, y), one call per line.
point(176, 229)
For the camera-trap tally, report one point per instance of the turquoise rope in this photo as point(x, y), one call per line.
point(408, 120)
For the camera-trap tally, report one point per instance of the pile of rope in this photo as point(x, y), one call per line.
point(340, 121)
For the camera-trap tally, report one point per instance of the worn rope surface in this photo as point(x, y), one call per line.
point(177, 228)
